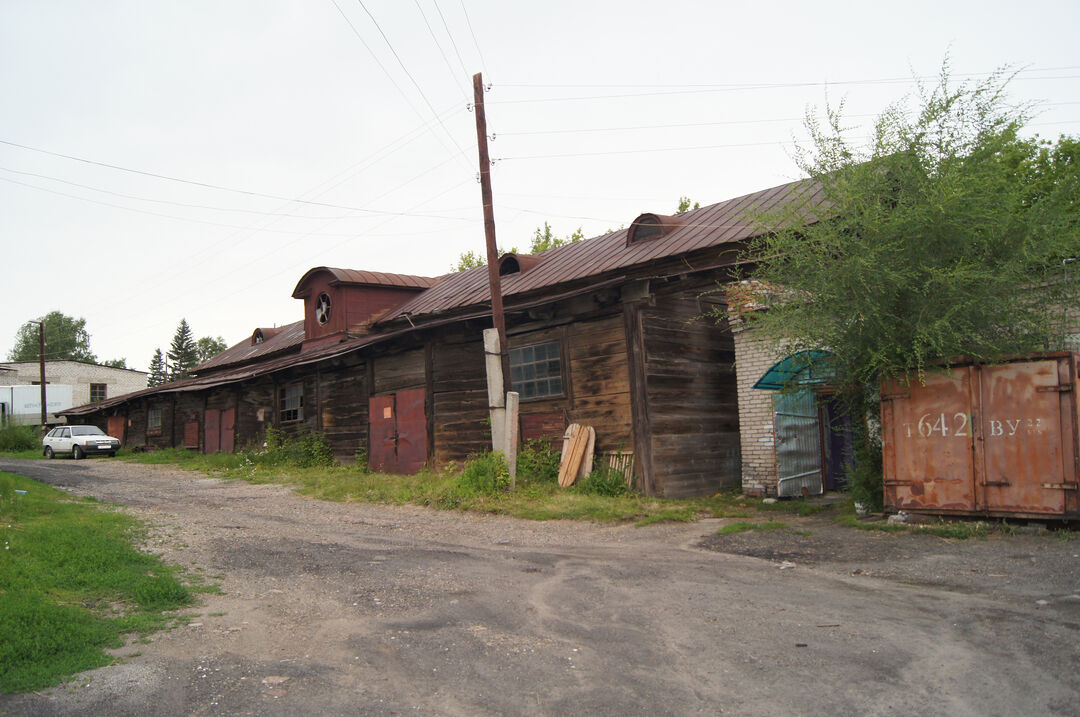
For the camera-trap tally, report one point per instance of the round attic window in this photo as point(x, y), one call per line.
point(322, 309)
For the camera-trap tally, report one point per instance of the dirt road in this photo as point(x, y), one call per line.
point(377, 610)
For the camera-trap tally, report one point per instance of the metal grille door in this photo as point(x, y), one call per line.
point(798, 444)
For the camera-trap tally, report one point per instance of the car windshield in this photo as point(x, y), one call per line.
point(86, 431)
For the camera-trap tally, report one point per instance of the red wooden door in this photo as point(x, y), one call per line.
point(212, 422)
point(228, 430)
point(382, 434)
point(411, 430)
point(116, 427)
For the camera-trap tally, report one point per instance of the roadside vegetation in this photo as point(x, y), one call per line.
point(72, 584)
point(482, 484)
point(20, 441)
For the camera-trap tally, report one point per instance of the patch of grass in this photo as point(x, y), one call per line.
point(72, 584)
point(675, 515)
point(744, 526)
point(799, 506)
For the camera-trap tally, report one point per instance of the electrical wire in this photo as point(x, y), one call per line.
point(638, 151)
point(453, 75)
point(464, 72)
point(413, 80)
point(386, 72)
point(483, 65)
point(199, 206)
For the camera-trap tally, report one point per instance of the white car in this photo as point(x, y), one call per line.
point(78, 441)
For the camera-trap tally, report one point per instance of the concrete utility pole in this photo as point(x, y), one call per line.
point(41, 358)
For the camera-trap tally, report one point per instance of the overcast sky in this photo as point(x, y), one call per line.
point(337, 133)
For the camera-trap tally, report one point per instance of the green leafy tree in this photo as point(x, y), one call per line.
point(685, 206)
point(116, 363)
point(65, 338)
point(183, 352)
point(545, 239)
point(945, 237)
point(157, 375)
point(208, 347)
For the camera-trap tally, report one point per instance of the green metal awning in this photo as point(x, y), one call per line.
point(804, 367)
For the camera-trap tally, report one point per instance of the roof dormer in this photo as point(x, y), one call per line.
point(337, 301)
point(517, 263)
point(649, 227)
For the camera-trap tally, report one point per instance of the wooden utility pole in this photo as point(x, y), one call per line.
point(497, 316)
point(41, 358)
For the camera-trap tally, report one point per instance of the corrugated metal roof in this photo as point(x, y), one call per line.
point(275, 340)
point(368, 278)
point(710, 226)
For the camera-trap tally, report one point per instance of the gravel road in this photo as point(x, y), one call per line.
point(333, 608)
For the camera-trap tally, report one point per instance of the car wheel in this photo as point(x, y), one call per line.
point(48, 452)
point(112, 454)
point(76, 452)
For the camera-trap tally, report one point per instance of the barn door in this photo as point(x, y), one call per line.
point(212, 422)
point(382, 434)
point(116, 427)
point(397, 432)
point(228, 430)
point(798, 444)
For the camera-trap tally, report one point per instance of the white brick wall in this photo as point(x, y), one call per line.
point(752, 359)
point(76, 374)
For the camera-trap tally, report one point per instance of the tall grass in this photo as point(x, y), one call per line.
point(19, 438)
point(71, 585)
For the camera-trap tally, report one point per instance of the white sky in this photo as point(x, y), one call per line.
point(286, 99)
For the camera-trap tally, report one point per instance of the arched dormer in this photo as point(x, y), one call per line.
point(648, 227)
point(517, 263)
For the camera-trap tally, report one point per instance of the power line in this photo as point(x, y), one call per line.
point(412, 79)
point(386, 72)
point(450, 69)
point(737, 88)
point(195, 183)
point(197, 206)
point(464, 72)
point(755, 85)
point(483, 65)
point(638, 151)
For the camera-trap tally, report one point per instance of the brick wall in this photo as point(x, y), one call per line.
point(756, 438)
point(79, 376)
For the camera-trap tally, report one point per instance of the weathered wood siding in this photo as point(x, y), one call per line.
point(255, 409)
point(188, 409)
point(395, 371)
point(596, 379)
point(458, 397)
point(343, 407)
point(691, 396)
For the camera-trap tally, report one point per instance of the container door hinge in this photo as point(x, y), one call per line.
point(1059, 486)
point(1063, 388)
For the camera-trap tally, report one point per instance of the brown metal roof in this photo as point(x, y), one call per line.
point(366, 278)
point(274, 341)
point(710, 226)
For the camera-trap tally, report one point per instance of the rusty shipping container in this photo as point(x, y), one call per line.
point(996, 440)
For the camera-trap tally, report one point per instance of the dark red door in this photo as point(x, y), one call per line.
point(213, 430)
point(228, 430)
point(398, 432)
point(382, 438)
point(411, 430)
point(116, 427)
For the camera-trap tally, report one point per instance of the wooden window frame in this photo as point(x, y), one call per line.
point(287, 413)
point(102, 388)
point(519, 385)
point(154, 428)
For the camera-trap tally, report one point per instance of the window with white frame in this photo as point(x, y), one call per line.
point(292, 403)
point(536, 371)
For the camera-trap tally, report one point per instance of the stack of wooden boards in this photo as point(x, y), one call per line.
point(579, 443)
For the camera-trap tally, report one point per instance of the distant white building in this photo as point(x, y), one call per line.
point(89, 382)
